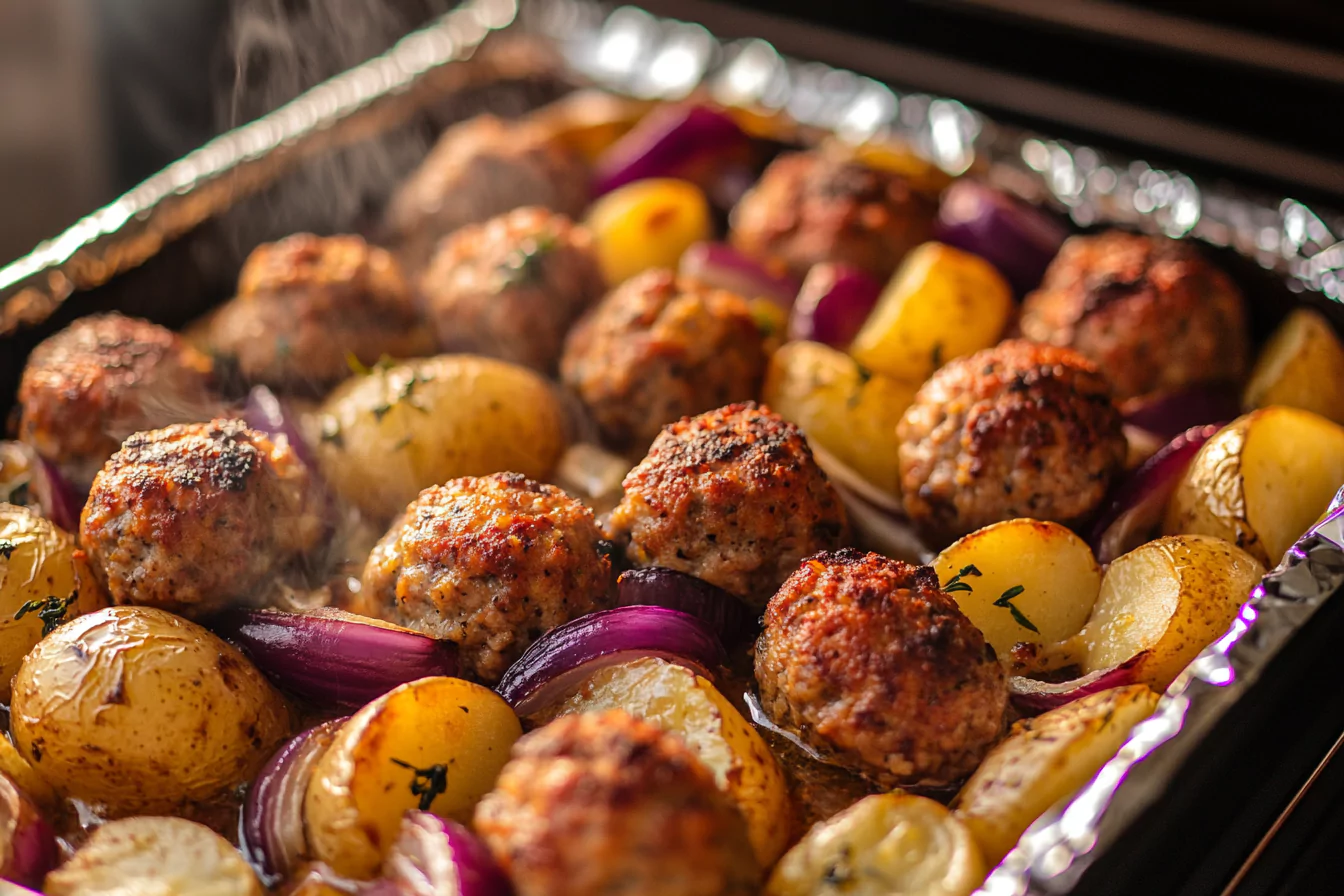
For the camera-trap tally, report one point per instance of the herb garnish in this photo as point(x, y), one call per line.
point(428, 783)
point(7, 548)
point(402, 443)
point(864, 376)
point(359, 368)
point(956, 583)
point(937, 355)
point(51, 610)
point(331, 432)
point(523, 264)
point(1006, 602)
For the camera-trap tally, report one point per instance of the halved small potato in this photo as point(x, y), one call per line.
point(1301, 366)
point(1054, 569)
point(890, 844)
point(682, 703)
point(18, 770)
point(1044, 760)
point(1261, 481)
point(159, 856)
point(436, 744)
point(647, 224)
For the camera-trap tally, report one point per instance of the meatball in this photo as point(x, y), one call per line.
point(511, 287)
point(307, 304)
point(733, 497)
point(1018, 430)
point(608, 805)
point(489, 563)
point(810, 207)
point(660, 347)
point(479, 169)
point(195, 516)
point(1150, 311)
point(870, 662)
point(101, 379)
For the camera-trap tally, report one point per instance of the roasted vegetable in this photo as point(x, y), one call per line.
point(647, 224)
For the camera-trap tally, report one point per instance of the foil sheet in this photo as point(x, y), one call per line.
point(632, 52)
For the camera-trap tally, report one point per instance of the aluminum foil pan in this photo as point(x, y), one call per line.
point(632, 52)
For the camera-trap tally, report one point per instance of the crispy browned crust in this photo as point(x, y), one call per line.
point(489, 563)
point(810, 207)
point(867, 659)
point(1017, 430)
point(608, 805)
point(306, 304)
point(733, 496)
point(194, 516)
point(99, 380)
point(1150, 311)
point(512, 286)
point(658, 348)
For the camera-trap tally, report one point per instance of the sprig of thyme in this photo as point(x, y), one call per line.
point(956, 584)
point(7, 548)
point(1005, 601)
point(427, 783)
point(51, 610)
point(523, 264)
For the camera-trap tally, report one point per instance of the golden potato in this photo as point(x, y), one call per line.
point(44, 581)
point(155, 857)
point(18, 770)
point(1044, 760)
point(388, 434)
point(647, 224)
point(842, 407)
point(891, 843)
point(436, 744)
point(142, 711)
point(1022, 581)
point(589, 121)
point(1261, 481)
point(1301, 366)
point(680, 702)
point(941, 304)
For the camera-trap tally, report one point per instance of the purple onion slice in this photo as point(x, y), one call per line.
point(1169, 414)
point(565, 656)
point(1018, 239)
point(720, 265)
point(334, 658)
point(29, 847)
point(1033, 697)
point(689, 142)
point(658, 586)
point(267, 413)
point(433, 856)
point(61, 502)
point(834, 301)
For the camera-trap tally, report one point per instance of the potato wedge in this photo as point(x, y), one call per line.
point(890, 844)
point(681, 702)
point(1054, 568)
point(1301, 366)
point(436, 744)
point(1044, 760)
point(155, 857)
point(1261, 481)
point(941, 304)
point(647, 224)
point(848, 411)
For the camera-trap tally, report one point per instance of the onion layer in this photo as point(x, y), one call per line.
point(1018, 239)
point(834, 301)
point(433, 856)
point(1032, 697)
point(1169, 414)
point(721, 266)
point(266, 413)
point(657, 586)
point(692, 143)
point(28, 847)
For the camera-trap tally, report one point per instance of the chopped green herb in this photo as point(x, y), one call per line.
point(51, 610)
point(937, 355)
point(427, 783)
point(524, 263)
point(956, 584)
point(402, 443)
point(764, 320)
point(7, 548)
point(359, 368)
point(864, 376)
point(282, 347)
point(331, 432)
point(1006, 602)
point(381, 411)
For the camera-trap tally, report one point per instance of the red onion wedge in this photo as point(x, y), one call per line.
point(565, 656)
point(657, 586)
point(334, 658)
point(61, 502)
point(834, 301)
point(1170, 413)
point(266, 413)
point(1018, 239)
point(1032, 697)
point(722, 266)
point(433, 856)
point(1136, 505)
point(28, 847)
point(271, 832)
point(689, 142)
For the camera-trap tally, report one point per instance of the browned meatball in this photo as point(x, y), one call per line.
point(868, 660)
point(101, 379)
point(195, 516)
point(1018, 430)
point(810, 207)
point(608, 805)
point(733, 497)
point(1150, 311)
point(489, 563)
point(308, 303)
point(479, 169)
point(658, 348)
point(511, 287)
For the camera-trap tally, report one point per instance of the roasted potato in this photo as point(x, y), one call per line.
point(942, 303)
point(437, 744)
point(155, 857)
point(142, 711)
point(1261, 481)
point(1022, 581)
point(849, 412)
point(681, 702)
point(44, 581)
point(886, 844)
point(385, 435)
point(1301, 366)
point(18, 770)
point(647, 224)
point(1044, 760)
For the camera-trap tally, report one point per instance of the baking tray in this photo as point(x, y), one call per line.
point(170, 248)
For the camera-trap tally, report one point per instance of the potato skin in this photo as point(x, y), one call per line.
point(868, 660)
point(607, 805)
point(140, 711)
